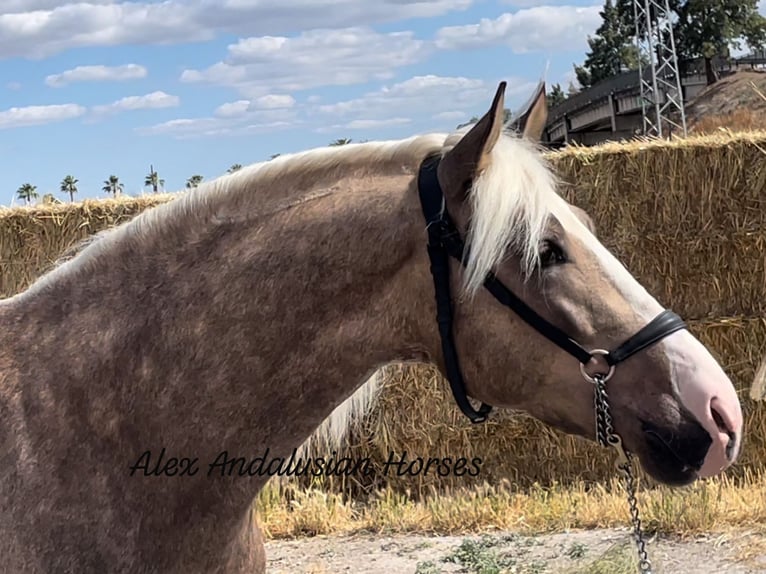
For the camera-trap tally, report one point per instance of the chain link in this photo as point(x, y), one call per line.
point(607, 437)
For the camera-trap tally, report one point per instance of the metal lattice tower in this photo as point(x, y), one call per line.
point(661, 95)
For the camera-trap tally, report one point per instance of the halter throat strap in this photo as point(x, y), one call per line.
point(444, 241)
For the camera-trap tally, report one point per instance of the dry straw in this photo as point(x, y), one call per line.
point(688, 218)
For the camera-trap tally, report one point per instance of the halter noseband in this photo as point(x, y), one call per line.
point(444, 241)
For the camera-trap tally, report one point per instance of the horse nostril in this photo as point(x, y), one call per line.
point(730, 445)
point(724, 429)
point(719, 421)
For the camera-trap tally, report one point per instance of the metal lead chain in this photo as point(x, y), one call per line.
point(607, 437)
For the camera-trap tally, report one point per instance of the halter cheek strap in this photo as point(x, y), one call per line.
point(444, 241)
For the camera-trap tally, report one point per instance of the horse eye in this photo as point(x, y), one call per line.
point(551, 254)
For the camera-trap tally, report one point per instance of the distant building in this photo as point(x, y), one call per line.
point(611, 109)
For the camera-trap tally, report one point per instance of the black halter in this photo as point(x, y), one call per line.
point(444, 240)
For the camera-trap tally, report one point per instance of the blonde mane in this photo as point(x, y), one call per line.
point(510, 205)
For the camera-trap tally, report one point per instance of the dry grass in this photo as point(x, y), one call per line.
point(33, 237)
point(738, 120)
point(743, 118)
point(712, 505)
point(733, 103)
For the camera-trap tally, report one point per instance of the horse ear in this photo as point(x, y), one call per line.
point(531, 120)
point(471, 154)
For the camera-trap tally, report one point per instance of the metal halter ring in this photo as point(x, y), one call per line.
point(604, 378)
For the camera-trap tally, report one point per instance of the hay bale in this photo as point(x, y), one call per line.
point(33, 238)
point(687, 218)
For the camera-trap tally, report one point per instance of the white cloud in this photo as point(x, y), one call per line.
point(257, 66)
point(365, 125)
point(155, 100)
point(40, 28)
point(188, 128)
point(97, 74)
point(431, 100)
point(543, 28)
point(15, 86)
point(274, 102)
point(429, 96)
point(38, 115)
point(270, 113)
point(417, 92)
point(267, 102)
point(21, 6)
point(232, 109)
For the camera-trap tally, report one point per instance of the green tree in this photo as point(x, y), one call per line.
point(153, 179)
point(274, 155)
point(27, 192)
point(556, 96)
point(112, 185)
point(611, 49)
point(69, 185)
point(49, 198)
point(234, 167)
point(709, 28)
point(340, 141)
point(194, 181)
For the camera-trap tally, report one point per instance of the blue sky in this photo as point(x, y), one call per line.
point(96, 88)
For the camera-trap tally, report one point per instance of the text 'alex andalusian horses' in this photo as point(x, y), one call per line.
point(241, 315)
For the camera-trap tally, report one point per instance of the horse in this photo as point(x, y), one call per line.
point(247, 313)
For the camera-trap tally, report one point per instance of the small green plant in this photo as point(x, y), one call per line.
point(618, 559)
point(427, 567)
point(536, 567)
point(577, 550)
point(478, 557)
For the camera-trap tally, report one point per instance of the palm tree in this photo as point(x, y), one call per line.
point(154, 180)
point(69, 185)
point(193, 181)
point(234, 167)
point(113, 186)
point(341, 141)
point(27, 192)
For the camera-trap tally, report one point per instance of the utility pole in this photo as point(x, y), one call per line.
point(661, 95)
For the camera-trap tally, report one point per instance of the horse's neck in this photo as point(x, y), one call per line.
point(247, 336)
point(348, 290)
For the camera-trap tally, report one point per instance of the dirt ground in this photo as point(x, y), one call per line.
point(582, 552)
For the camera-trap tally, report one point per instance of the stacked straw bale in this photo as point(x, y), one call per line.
point(33, 238)
point(688, 219)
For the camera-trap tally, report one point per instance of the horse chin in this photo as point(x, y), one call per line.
point(673, 456)
point(656, 450)
point(665, 471)
point(670, 473)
